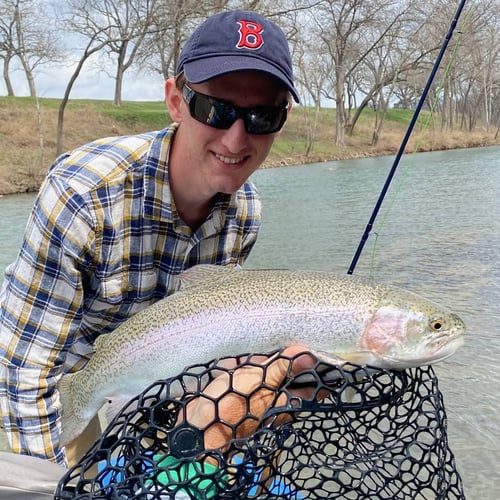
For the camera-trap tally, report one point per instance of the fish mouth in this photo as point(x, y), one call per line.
point(448, 348)
point(443, 351)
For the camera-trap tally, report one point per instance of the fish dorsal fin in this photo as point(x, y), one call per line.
point(203, 274)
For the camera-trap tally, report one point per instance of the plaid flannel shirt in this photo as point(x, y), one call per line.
point(103, 242)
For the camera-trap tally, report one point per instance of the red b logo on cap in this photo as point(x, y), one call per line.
point(250, 35)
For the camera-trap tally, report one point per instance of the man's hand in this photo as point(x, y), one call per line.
point(233, 404)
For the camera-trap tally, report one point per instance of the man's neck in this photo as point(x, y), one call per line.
point(194, 214)
point(192, 204)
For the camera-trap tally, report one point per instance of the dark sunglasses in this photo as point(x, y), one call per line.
point(220, 114)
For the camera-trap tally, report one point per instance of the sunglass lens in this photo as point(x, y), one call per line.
point(264, 121)
point(214, 113)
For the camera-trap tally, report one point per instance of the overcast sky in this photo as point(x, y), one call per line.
point(51, 81)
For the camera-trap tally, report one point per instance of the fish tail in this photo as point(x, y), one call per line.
point(72, 422)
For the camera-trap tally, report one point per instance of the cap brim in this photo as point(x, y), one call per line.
point(201, 70)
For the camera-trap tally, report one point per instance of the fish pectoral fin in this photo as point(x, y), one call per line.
point(362, 358)
point(328, 357)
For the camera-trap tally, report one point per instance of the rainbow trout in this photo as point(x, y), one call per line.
point(220, 311)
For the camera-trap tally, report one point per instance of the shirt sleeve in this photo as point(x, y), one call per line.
point(250, 221)
point(40, 314)
point(248, 243)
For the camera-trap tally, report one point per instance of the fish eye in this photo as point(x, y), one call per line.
point(437, 324)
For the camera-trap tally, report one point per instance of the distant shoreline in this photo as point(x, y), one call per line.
point(28, 149)
point(17, 186)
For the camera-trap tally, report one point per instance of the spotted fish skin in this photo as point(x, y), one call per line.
point(220, 311)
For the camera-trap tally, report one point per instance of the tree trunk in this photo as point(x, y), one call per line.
point(339, 102)
point(64, 101)
point(29, 76)
point(6, 78)
point(21, 53)
point(62, 106)
point(120, 71)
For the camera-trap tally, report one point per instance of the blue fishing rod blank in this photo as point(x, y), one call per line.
point(402, 147)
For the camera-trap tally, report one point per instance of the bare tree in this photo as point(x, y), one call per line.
point(25, 37)
point(21, 51)
point(171, 24)
point(118, 26)
point(396, 54)
point(458, 93)
point(313, 73)
point(93, 46)
point(97, 40)
point(342, 26)
point(104, 29)
point(24, 34)
point(350, 49)
point(476, 71)
point(7, 47)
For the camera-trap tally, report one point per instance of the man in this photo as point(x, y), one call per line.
point(117, 220)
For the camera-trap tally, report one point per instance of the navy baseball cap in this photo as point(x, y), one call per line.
point(237, 41)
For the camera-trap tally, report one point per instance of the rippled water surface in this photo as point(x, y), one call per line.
point(438, 234)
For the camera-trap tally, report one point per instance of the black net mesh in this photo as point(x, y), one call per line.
point(346, 432)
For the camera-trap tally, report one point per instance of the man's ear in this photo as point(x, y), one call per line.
point(290, 106)
point(173, 100)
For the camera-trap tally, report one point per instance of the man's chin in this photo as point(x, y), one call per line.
point(230, 184)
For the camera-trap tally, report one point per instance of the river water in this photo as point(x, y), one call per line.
point(438, 234)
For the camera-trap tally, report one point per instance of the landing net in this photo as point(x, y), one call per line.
point(360, 433)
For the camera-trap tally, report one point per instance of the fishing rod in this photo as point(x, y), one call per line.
point(406, 138)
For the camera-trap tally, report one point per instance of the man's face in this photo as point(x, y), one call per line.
point(221, 160)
